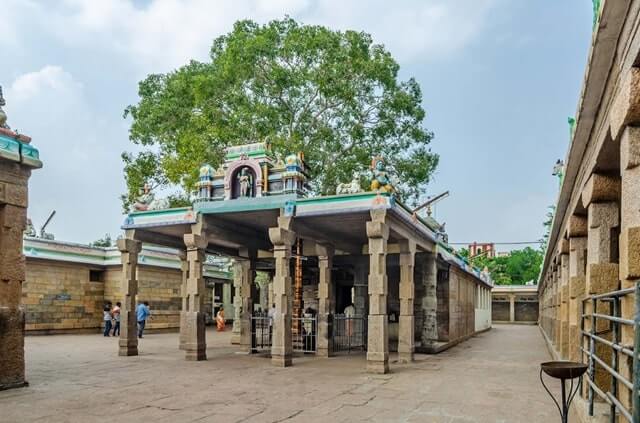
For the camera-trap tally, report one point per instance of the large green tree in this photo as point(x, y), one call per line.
point(516, 268)
point(334, 95)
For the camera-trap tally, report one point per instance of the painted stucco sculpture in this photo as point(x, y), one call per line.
point(381, 181)
point(3, 115)
point(352, 187)
point(147, 201)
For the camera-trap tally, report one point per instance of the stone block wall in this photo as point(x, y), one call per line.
point(159, 286)
point(461, 304)
point(61, 296)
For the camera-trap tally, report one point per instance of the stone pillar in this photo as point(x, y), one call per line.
point(17, 158)
point(226, 297)
point(378, 332)
point(406, 331)
point(326, 298)
point(563, 348)
point(128, 342)
point(195, 345)
point(243, 271)
point(429, 279)
point(512, 308)
point(236, 331)
point(629, 236)
point(577, 282)
point(184, 267)
point(360, 286)
point(599, 197)
point(282, 238)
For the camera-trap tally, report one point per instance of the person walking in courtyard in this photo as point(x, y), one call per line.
point(220, 323)
point(106, 317)
point(142, 314)
point(116, 319)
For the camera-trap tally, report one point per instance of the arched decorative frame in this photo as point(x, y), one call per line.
point(231, 170)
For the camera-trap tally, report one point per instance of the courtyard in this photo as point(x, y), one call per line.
point(493, 377)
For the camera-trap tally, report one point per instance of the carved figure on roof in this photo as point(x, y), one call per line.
point(352, 187)
point(558, 170)
point(381, 181)
point(3, 115)
point(246, 182)
point(30, 230)
point(147, 201)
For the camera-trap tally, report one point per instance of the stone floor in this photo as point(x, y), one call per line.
point(79, 378)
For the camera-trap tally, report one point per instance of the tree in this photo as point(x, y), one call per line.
point(333, 95)
point(103, 242)
point(516, 268)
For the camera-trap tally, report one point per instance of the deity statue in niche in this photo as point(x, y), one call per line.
point(381, 181)
point(147, 201)
point(245, 180)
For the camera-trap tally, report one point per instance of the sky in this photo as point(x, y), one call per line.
point(499, 79)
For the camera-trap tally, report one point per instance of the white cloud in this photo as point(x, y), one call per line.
point(52, 79)
point(164, 34)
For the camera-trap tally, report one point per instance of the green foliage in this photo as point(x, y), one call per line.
point(334, 95)
point(517, 268)
point(551, 210)
point(103, 242)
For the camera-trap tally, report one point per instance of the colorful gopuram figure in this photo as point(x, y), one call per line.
point(147, 201)
point(246, 182)
point(381, 181)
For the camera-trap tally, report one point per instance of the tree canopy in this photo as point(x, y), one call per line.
point(517, 268)
point(334, 95)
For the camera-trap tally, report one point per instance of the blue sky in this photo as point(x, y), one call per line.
point(499, 79)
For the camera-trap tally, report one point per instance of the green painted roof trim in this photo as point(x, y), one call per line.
point(159, 212)
point(250, 204)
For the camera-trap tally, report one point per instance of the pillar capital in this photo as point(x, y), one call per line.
point(128, 245)
point(626, 105)
point(577, 226)
point(195, 241)
point(324, 250)
point(600, 189)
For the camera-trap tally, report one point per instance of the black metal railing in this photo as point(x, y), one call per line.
point(621, 355)
point(261, 332)
point(305, 334)
point(348, 333)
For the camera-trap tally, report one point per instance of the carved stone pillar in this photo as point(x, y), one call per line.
point(378, 333)
point(195, 345)
point(17, 159)
point(326, 298)
point(282, 238)
point(128, 342)
point(577, 282)
point(184, 267)
point(243, 270)
point(429, 279)
point(512, 308)
point(236, 331)
point(563, 347)
point(406, 327)
point(600, 198)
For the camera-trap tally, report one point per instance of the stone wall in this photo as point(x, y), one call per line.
point(461, 304)
point(526, 311)
point(61, 296)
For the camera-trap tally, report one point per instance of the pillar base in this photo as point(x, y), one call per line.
point(378, 367)
point(281, 360)
point(405, 357)
point(235, 339)
point(197, 354)
point(127, 351)
point(324, 352)
point(16, 385)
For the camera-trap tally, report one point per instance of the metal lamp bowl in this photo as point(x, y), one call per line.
point(564, 369)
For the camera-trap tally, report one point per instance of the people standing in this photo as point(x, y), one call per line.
point(220, 323)
point(142, 314)
point(106, 317)
point(116, 319)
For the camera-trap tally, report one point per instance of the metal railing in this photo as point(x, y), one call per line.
point(348, 333)
point(305, 334)
point(621, 355)
point(261, 332)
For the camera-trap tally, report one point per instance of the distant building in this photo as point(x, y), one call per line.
point(484, 249)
